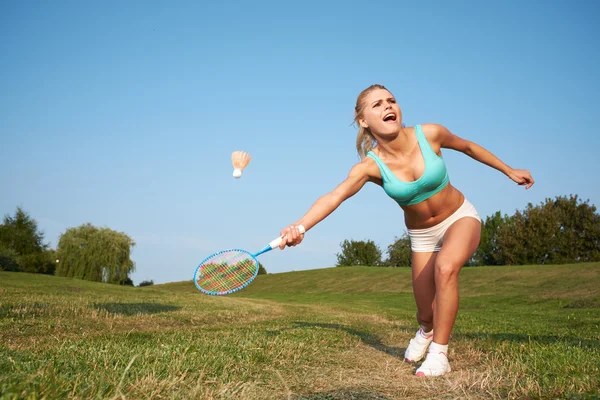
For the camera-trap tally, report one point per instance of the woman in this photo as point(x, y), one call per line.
point(444, 228)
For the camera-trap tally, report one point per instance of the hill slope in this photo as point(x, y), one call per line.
point(522, 332)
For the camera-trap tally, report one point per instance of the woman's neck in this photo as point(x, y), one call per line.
point(394, 146)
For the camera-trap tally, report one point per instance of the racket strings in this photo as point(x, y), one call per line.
point(226, 271)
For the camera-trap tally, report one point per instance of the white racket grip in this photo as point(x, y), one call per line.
point(277, 242)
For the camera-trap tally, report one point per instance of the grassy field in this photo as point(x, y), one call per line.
point(340, 333)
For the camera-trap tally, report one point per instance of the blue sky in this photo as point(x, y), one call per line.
point(124, 114)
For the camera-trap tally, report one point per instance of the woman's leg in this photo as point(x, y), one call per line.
point(460, 242)
point(424, 292)
point(424, 287)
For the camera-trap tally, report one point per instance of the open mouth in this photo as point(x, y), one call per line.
point(390, 117)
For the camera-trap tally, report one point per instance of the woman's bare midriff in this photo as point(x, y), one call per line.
point(434, 210)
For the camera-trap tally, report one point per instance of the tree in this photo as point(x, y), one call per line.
point(95, 254)
point(9, 260)
point(359, 252)
point(40, 263)
point(486, 253)
point(146, 283)
point(557, 231)
point(20, 233)
point(127, 281)
point(20, 236)
point(261, 269)
point(399, 252)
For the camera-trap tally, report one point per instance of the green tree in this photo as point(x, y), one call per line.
point(146, 283)
point(399, 252)
point(41, 262)
point(19, 235)
point(9, 260)
point(95, 254)
point(560, 230)
point(261, 269)
point(127, 281)
point(486, 253)
point(359, 252)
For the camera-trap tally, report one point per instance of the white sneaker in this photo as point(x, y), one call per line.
point(436, 364)
point(417, 348)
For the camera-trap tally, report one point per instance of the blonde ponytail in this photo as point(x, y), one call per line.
point(364, 139)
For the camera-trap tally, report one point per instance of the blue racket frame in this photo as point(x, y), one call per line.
point(274, 244)
point(223, 293)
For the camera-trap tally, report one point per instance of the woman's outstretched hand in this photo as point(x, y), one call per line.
point(522, 177)
point(291, 236)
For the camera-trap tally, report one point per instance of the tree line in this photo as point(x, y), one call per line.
point(556, 231)
point(84, 252)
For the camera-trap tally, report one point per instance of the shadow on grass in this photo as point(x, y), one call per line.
point(584, 303)
point(344, 394)
point(24, 310)
point(523, 338)
point(135, 308)
point(72, 289)
point(367, 338)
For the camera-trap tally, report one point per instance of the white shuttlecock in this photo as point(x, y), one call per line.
point(240, 160)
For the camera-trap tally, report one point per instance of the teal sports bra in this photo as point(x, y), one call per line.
point(434, 178)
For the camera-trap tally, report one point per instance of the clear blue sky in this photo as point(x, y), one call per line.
point(124, 114)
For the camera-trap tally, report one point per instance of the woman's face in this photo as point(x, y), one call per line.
point(381, 114)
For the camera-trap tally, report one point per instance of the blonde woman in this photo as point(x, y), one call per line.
point(444, 228)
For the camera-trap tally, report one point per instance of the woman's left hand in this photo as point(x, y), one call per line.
point(522, 177)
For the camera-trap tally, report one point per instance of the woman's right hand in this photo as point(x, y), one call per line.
point(290, 236)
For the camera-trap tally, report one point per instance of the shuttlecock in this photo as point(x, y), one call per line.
point(240, 160)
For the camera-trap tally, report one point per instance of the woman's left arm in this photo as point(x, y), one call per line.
point(448, 140)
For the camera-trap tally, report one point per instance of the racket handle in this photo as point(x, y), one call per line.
point(275, 243)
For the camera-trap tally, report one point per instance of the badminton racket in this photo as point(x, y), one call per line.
point(228, 271)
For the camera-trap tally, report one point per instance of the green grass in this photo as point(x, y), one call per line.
point(522, 332)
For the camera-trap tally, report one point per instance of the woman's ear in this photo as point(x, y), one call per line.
point(363, 123)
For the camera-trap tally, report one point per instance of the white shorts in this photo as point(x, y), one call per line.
point(431, 239)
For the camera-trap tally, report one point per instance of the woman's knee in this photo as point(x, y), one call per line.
point(446, 271)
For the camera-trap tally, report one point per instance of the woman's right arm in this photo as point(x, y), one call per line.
point(325, 205)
